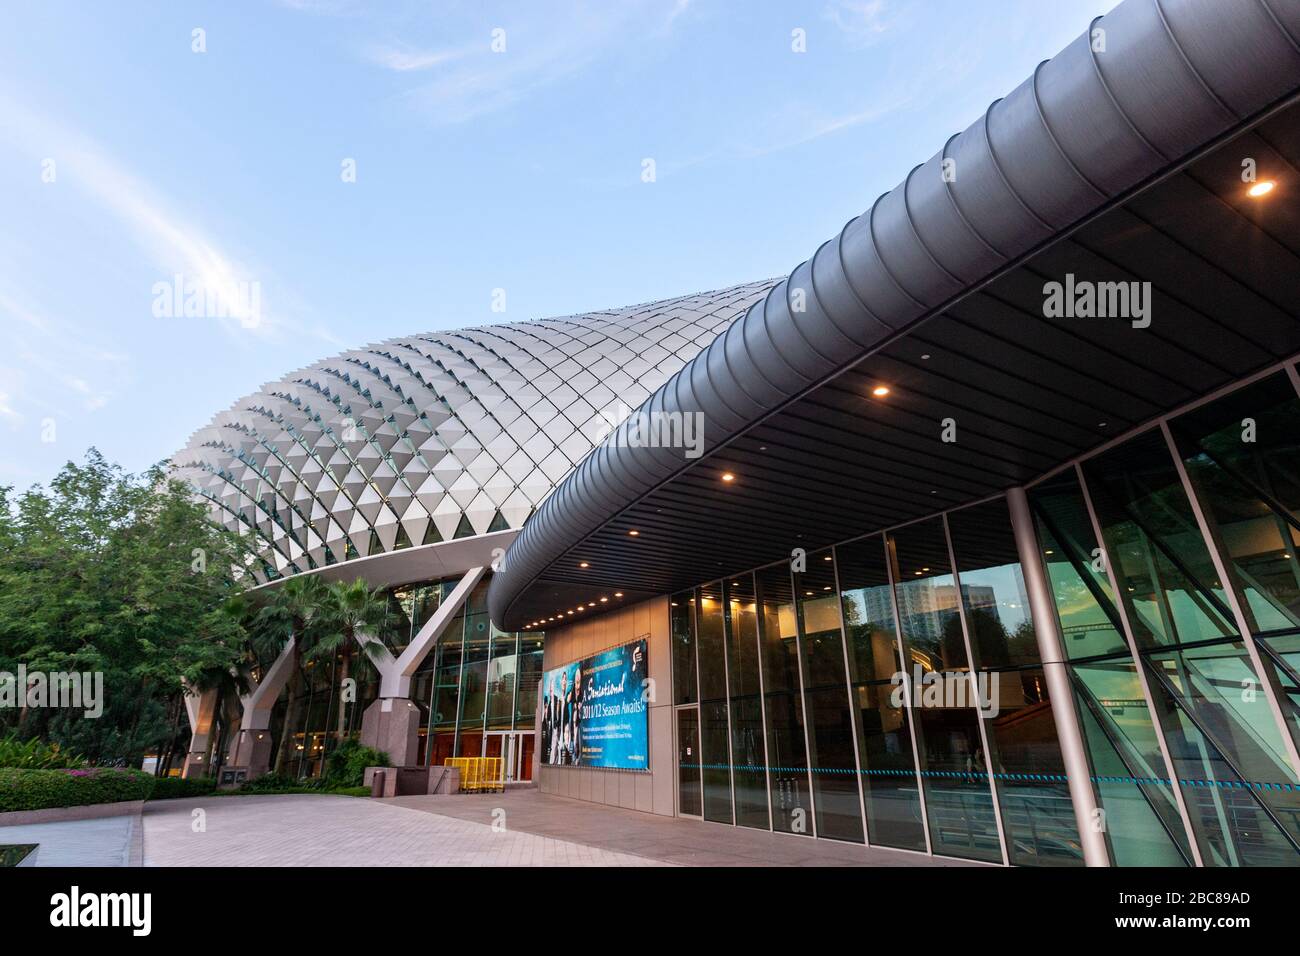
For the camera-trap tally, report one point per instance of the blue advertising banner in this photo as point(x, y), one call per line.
point(593, 713)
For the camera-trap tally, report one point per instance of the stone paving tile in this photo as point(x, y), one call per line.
point(107, 841)
point(657, 838)
point(320, 830)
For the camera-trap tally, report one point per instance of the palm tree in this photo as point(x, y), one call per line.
point(292, 614)
point(351, 611)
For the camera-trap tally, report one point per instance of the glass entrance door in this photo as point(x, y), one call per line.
point(690, 801)
point(515, 748)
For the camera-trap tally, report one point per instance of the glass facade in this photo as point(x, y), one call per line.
point(890, 690)
point(475, 689)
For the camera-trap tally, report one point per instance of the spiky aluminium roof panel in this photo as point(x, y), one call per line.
point(425, 438)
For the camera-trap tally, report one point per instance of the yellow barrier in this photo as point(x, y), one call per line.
point(478, 773)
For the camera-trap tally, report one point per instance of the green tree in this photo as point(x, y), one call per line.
point(122, 575)
point(350, 611)
point(292, 614)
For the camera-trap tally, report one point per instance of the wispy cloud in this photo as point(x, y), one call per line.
point(862, 21)
point(474, 79)
point(172, 244)
point(406, 60)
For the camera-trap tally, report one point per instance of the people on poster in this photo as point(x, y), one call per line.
point(593, 713)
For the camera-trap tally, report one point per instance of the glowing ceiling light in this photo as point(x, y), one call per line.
point(728, 476)
point(880, 391)
point(1262, 188)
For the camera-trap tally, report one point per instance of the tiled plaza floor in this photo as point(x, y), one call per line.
point(659, 839)
point(532, 829)
point(311, 830)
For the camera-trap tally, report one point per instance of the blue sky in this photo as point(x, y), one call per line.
point(128, 158)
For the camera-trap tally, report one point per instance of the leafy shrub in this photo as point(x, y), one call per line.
point(346, 766)
point(40, 789)
point(172, 788)
point(36, 754)
point(275, 783)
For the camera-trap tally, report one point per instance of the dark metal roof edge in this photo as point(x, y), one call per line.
point(1148, 84)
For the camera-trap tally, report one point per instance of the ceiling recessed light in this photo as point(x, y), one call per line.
point(925, 357)
point(583, 564)
point(880, 391)
point(1262, 188)
point(604, 600)
point(633, 533)
point(728, 476)
point(618, 594)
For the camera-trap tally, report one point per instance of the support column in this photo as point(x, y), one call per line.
point(201, 707)
point(252, 745)
point(1069, 731)
point(392, 722)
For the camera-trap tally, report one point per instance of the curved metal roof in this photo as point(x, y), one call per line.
point(1146, 86)
point(428, 438)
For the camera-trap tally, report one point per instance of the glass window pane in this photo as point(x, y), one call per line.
point(530, 675)
point(749, 756)
point(891, 788)
point(993, 587)
point(682, 627)
point(927, 599)
point(830, 721)
point(786, 750)
point(1228, 753)
point(954, 767)
point(1029, 772)
point(715, 751)
point(1142, 824)
point(868, 610)
point(1242, 453)
point(1161, 563)
point(1090, 626)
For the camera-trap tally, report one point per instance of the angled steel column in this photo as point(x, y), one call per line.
point(201, 708)
point(392, 722)
point(1069, 732)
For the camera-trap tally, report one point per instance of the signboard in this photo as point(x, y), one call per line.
point(594, 713)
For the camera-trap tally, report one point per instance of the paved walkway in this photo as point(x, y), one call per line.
point(520, 828)
point(320, 830)
point(653, 838)
point(107, 841)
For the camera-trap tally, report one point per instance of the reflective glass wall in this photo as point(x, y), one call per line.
point(890, 690)
point(477, 684)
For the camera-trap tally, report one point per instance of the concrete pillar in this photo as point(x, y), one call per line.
point(1068, 729)
point(252, 745)
point(392, 723)
point(201, 707)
